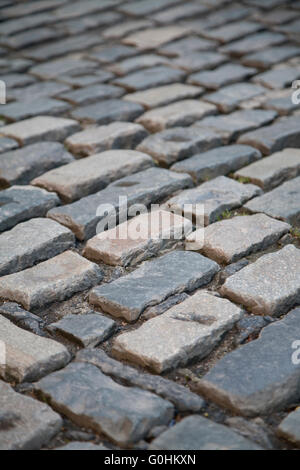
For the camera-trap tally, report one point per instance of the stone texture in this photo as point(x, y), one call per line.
point(271, 56)
point(39, 129)
point(91, 94)
point(178, 143)
point(150, 78)
point(194, 61)
point(116, 135)
point(254, 43)
point(108, 111)
point(229, 240)
point(164, 95)
point(156, 310)
point(89, 175)
point(274, 170)
point(31, 242)
point(23, 319)
point(181, 397)
point(20, 110)
point(136, 63)
point(155, 37)
point(90, 398)
point(224, 75)
point(198, 433)
point(52, 69)
point(7, 144)
point(248, 385)
point(20, 203)
point(289, 428)
point(140, 238)
point(38, 90)
point(216, 196)
point(112, 54)
point(281, 203)
point(33, 424)
point(182, 113)
point(229, 32)
point(187, 331)
point(220, 161)
point(21, 166)
point(180, 12)
point(122, 29)
point(51, 281)
point(228, 98)
point(270, 286)
point(17, 80)
point(152, 283)
point(89, 329)
point(186, 45)
point(147, 187)
point(278, 78)
point(29, 357)
point(275, 137)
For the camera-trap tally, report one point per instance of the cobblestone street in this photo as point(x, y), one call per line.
point(182, 342)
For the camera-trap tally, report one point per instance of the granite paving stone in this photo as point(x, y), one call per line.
point(38, 90)
point(133, 64)
point(112, 54)
point(289, 427)
point(78, 9)
point(7, 144)
point(20, 203)
point(52, 69)
point(253, 43)
point(278, 78)
point(270, 286)
point(221, 161)
point(31, 425)
point(152, 283)
point(270, 56)
point(230, 32)
point(274, 170)
point(18, 111)
point(187, 331)
point(155, 37)
point(92, 94)
point(147, 187)
point(90, 398)
point(22, 318)
point(185, 45)
point(122, 29)
point(20, 166)
point(228, 98)
point(180, 12)
point(244, 383)
point(83, 177)
point(18, 10)
point(17, 25)
point(108, 111)
point(51, 281)
point(221, 76)
point(143, 7)
point(28, 356)
point(194, 61)
point(86, 23)
point(150, 78)
point(17, 80)
point(30, 38)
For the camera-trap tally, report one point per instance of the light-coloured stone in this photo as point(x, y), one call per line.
point(189, 330)
point(156, 37)
point(29, 357)
point(89, 175)
point(270, 286)
point(51, 281)
point(289, 428)
point(138, 239)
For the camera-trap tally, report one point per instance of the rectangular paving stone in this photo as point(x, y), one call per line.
point(152, 283)
point(270, 286)
point(146, 187)
point(229, 240)
point(181, 397)
point(278, 78)
point(150, 78)
point(20, 203)
point(248, 385)
point(38, 90)
point(221, 76)
point(175, 144)
point(164, 95)
point(122, 29)
point(86, 23)
point(221, 161)
point(89, 175)
point(140, 238)
point(215, 196)
point(155, 37)
point(40, 128)
point(91, 399)
point(281, 203)
point(117, 135)
point(87, 330)
point(283, 104)
point(187, 331)
point(271, 56)
point(230, 32)
point(22, 318)
point(253, 43)
point(92, 94)
point(27, 8)
point(186, 45)
point(29, 357)
point(55, 68)
point(274, 170)
point(86, 79)
point(18, 25)
point(275, 137)
point(79, 9)
point(30, 38)
point(180, 12)
point(51, 281)
point(133, 64)
point(234, 124)
point(30, 423)
point(17, 80)
point(108, 111)
point(20, 166)
point(18, 111)
point(7, 144)
point(194, 61)
point(228, 98)
point(143, 7)
point(289, 428)
point(111, 54)
point(198, 433)
point(182, 113)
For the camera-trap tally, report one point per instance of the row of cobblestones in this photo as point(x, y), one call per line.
point(150, 343)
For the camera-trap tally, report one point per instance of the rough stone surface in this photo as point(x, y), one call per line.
point(150, 78)
point(92, 94)
point(224, 75)
point(7, 144)
point(108, 111)
point(87, 330)
point(156, 37)
point(152, 283)
point(270, 286)
point(22, 318)
point(274, 170)
point(90, 398)
point(228, 98)
point(29, 357)
point(197, 433)
point(89, 175)
point(21, 166)
point(116, 135)
point(51, 281)
point(33, 423)
point(31, 242)
point(228, 241)
point(244, 383)
point(20, 110)
point(187, 331)
point(289, 428)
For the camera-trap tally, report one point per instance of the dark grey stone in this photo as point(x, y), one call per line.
point(144, 7)
point(256, 430)
point(30, 38)
point(17, 80)
point(250, 325)
point(38, 91)
point(224, 75)
point(92, 94)
point(22, 318)
point(271, 56)
point(20, 110)
point(109, 111)
point(230, 97)
point(150, 78)
point(159, 309)
point(107, 55)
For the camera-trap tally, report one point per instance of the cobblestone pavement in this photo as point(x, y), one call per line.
point(150, 343)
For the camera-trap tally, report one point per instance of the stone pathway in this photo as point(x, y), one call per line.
point(183, 337)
